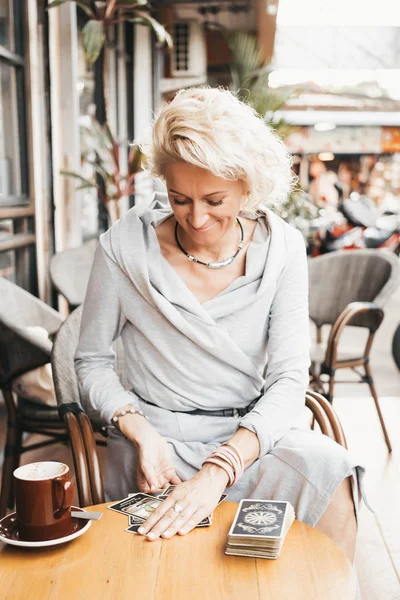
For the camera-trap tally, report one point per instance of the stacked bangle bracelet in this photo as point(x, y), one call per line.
point(230, 460)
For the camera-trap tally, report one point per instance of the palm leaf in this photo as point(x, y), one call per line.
point(246, 59)
point(250, 79)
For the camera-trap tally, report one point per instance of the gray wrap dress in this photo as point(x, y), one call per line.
point(250, 342)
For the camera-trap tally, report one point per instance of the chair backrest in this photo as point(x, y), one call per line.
point(339, 278)
point(70, 270)
point(24, 344)
point(62, 360)
point(19, 307)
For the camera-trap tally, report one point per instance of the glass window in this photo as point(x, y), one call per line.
point(10, 166)
point(6, 25)
point(7, 258)
point(17, 239)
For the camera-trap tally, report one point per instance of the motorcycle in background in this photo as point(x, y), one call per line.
point(357, 224)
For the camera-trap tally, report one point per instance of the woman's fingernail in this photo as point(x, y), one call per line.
point(166, 533)
point(151, 536)
point(141, 530)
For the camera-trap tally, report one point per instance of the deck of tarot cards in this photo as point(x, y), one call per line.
point(259, 528)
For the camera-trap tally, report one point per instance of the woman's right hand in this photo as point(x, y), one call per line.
point(155, 468)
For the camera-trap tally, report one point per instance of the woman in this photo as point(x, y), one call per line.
point(199, 288)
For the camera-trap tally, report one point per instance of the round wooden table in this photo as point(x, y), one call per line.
point(107, 562)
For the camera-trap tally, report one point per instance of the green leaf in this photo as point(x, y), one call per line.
point(250, 79)
point(246, 58)
point(85, 8)
point(112, 141)
point(76, 175)
point(56, 3)
point(93, 39)
point(161, 33)
point(86, 185)
point(134, 159)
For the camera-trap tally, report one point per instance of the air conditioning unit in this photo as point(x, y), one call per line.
point(189, 58)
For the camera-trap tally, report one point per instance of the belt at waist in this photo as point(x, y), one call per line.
point(225, 412)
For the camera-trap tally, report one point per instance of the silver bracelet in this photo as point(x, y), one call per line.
point(132, 410)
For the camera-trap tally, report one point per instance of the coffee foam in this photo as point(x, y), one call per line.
point(40, 470)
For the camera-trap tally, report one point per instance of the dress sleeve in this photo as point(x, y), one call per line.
point(102, 322)
point(281, 405)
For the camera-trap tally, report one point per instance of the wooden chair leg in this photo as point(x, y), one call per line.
point(370, 382)
point(329, 395)
point(16, 462)
point(12, 453)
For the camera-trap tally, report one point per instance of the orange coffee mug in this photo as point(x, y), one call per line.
point(43, 497)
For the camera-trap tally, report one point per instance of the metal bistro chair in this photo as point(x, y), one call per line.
point(83, 442)
point(22, 349)
point(70, 270)
point(348, 288)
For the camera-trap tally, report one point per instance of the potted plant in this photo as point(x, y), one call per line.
point(101, 15)
point(101, 151)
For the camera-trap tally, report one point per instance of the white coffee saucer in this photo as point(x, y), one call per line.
point(9, 532)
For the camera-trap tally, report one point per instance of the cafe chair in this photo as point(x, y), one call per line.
point(23, 347)
point(348, 288)
point(70, 270)
point(84, 433)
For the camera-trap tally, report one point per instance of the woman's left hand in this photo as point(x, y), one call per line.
point(196, 499)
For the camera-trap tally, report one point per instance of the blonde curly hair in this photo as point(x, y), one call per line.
point(212, 129)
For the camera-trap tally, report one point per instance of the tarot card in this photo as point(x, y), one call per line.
point(124, 505)
point(135, 520)
point(259, 518)
point(133, 528)
point(144, 508)
point(166, 491)
point(205, 522)
point(222, 499)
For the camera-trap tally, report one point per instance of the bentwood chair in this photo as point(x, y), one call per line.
point(80, 427)
point(85, 434)
point(70, 270)
point(348, 288)
point(23, 349)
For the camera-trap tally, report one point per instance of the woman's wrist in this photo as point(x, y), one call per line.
point(247, 444)
point(215, 472)
point(133, 425)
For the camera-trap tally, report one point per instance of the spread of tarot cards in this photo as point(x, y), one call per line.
point(138, 507)
point(259, 528)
